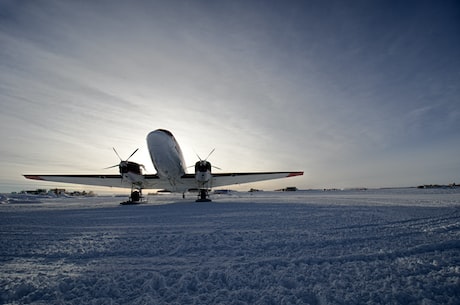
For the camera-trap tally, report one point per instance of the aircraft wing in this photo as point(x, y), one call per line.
point(154, 182)
point(150, 181)
point(238, 178)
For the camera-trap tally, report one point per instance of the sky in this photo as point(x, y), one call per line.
point(353, 93)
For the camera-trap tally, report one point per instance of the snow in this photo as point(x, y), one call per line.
point(398, 246)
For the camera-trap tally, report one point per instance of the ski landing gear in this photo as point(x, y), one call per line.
point(135, 198)
point(203, 196)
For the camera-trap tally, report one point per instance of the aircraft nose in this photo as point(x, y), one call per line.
point(158, 135)
point(154, 137)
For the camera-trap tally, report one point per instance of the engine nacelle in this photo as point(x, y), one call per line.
point(130, 167)
point(202, 171)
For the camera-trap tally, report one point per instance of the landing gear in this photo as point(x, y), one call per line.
point(203, 196)
point(135, 198)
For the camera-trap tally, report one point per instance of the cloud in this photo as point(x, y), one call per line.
point(268, 85)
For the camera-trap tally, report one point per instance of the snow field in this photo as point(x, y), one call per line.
point(372, 247)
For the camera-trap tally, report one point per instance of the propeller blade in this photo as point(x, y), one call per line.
point(209, 154)
point(112, 166)
point(122, 163)
point(217, 167)
point(132, 154)
point(117, 154)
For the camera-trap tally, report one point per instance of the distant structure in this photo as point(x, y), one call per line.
point(288, 189)
point(437, 186)
point(223, 192)
point(35, 192)
point(58, 192)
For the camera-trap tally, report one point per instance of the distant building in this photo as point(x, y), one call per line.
point(288, 189)
point(57, 191)
point(36, 192)
point(437, 186)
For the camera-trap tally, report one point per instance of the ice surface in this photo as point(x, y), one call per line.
point(345, 247)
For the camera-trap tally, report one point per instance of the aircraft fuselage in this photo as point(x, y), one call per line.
point(166, 155)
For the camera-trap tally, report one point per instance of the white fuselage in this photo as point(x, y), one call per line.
point(166, 156)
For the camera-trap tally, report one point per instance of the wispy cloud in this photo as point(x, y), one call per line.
point(270, 86)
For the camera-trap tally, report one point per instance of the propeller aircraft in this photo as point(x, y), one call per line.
point(168, 160)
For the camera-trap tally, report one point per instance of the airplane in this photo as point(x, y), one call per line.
point(168, 160)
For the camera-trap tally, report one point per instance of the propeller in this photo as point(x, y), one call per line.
point(126, 166)
point(206, 159)
point(121, 160)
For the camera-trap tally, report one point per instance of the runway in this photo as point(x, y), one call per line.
point(397, 246)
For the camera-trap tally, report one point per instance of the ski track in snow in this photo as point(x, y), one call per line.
point(346, 247)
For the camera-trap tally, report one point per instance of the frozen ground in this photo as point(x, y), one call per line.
point(369, 247)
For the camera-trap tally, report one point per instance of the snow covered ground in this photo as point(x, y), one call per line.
point(399, 246)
